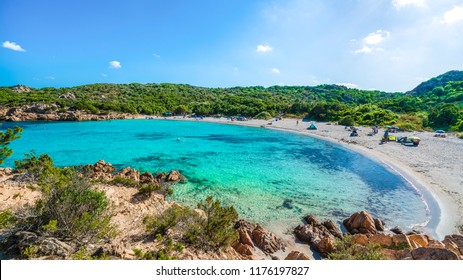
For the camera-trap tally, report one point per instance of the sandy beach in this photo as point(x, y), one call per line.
point(433, 168)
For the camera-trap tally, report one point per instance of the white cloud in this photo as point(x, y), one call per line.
point(404, 3)
point(104, 75)
point(371, 41)
point(376, 38)
point(264, 48)
point(348, 85)
point(364, 49)
point(13, 46)
point(453, 16)
point(156, 55)
point(276, 70)
point(49, 77)
point(115, 64)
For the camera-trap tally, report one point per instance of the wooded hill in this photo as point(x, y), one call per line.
point(436, 104)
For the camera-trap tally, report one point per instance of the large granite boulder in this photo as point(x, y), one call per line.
point(454, 243)
point(129, 173)
point(381, 239)
point(147, 178)
point(251, 236)
point(175, 176)
point(296, 255)
point(265, 240)
point(46, 246)
point(360, 222)
point(433, 254)
point(321, 236)
point(100, 170)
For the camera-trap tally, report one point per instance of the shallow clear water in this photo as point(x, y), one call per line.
point(254, 169)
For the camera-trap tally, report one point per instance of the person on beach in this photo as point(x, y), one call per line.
point(386, 136)
point(297, 122)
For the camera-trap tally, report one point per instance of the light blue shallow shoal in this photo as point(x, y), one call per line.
point(270, 177)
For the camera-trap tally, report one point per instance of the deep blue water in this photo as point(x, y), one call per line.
point(271, 177)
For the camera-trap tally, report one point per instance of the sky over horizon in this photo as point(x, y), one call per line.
point(389, 45)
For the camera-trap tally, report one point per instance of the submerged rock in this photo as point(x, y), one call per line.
point(288, 203)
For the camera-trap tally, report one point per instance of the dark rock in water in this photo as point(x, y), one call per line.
point(397, 230)
point(310, 219)
point(288, 203)
point(433, 254)
point(379, 225)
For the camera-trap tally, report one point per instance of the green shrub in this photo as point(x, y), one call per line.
point(5, 139)
point(32, 166)
point(346, 249)
point(84, 254)
point(217, 227)
point(31, 252)
point(211, 231)
point(347, 121)
point(7, 219)
point(118, 180)
point(148, 189)
point(263, 116)
point(152, 255)
point(69, 207)
point(167, 220)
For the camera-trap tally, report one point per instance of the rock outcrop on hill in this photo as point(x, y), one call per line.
point(45, 112)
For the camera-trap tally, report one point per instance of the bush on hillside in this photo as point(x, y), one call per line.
point(69, 207)
point(210, 230)
point(347, 249)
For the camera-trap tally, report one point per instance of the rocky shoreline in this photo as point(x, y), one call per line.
point(43, 112)
point(254, 242)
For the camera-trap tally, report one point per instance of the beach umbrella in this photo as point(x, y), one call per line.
point(414, 138)
point(388, 126)
point(440, 131)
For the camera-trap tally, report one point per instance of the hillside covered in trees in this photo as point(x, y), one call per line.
point(436, 104)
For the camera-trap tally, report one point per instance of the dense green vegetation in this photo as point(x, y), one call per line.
point(211, 229)
point(5, 139)
point(68, 208)
point(347, 249)
point(437, 103)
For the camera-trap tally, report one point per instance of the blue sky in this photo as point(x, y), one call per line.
point(389, 45)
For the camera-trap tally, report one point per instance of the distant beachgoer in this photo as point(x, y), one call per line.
point(297, 122)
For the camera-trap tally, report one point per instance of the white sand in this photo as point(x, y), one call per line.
point(435, 167)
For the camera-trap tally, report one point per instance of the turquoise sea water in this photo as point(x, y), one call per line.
point(271, 177)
